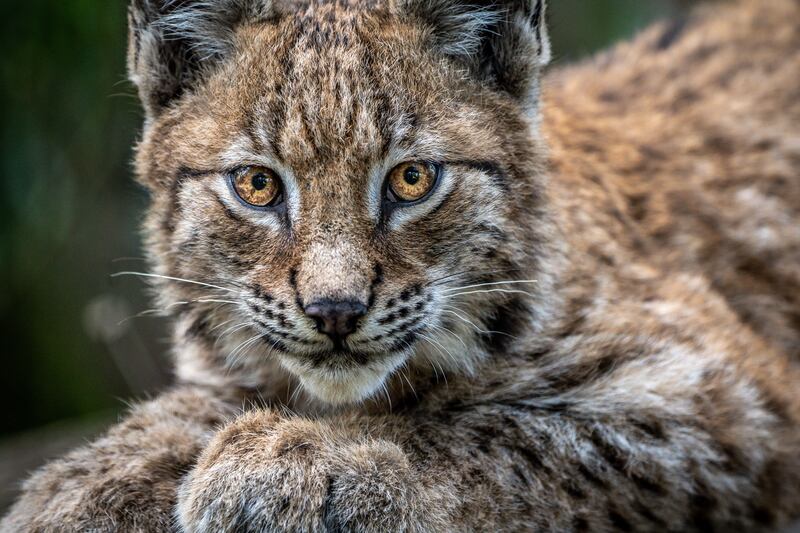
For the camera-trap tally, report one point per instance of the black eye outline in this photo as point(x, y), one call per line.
point(277, 203)
point(390, 201)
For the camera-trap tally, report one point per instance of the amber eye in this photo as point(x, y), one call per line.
point(257, 186)
point(411, 181)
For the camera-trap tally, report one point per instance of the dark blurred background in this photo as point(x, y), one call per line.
point(70, 211)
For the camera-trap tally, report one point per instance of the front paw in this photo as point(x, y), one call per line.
point(374, 488)
point(265, 474)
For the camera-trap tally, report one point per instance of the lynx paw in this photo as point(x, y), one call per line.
point(263, 474)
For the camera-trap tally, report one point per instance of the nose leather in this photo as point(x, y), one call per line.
point(336, 318)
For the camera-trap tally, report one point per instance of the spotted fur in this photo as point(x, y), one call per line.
point(592, 324)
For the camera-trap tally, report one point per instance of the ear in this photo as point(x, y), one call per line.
point(503, 42)
point(173, 43)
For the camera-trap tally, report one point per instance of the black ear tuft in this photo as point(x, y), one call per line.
point(504, 42)
point(172, 42)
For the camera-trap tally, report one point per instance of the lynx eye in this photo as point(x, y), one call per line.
point(257, 186)
point(411, 181)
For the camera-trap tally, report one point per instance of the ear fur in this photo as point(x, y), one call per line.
point(503, 42)
point(171, 43)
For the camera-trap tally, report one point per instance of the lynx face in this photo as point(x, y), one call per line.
point(356, 186)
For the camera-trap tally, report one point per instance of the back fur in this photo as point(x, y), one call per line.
point(690, 134)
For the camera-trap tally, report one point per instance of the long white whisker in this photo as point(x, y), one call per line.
point(222, 324)
point(443, 279)
point(435, 372)
point(296, 392)
point(149, 275)
point(505, 291)
point(149, 312)
point(405, 376)
point(243, 347)
point(248, 349)
point(479, 330)
point(466, 320)
point(272, 347)
point(155, 311)
point(388, 397)
point(231, 330)
point(427, 340)
point(491, 283)
point(446, 330)
point(437, 364)
point(437, 343)
point(163, 311)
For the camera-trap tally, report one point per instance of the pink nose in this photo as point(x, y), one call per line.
point(336, 319)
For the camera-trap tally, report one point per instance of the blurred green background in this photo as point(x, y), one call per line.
point(69, 209)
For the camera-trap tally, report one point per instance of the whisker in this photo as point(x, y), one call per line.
point(486, 291)
point(149, 312)
point(296, 392)
point(159, 276)
point(449, 276)
point(511, 282)
point(441, 280)
point(163, 311)
point(272, 347)
point(448, 309)
point(388, 398)
point(243, 346)
point(446, 330)
point(221, 324)
point(231, 330)
point(479, 330)
point(444, 375)
point(121, 259)
point(247, 350)
point(435, 372)
point(429, 360)
point(402, 373)
point(437, 343)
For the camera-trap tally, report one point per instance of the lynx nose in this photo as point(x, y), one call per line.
point(336, 319)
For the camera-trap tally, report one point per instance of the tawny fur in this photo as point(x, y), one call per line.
point(646, 381)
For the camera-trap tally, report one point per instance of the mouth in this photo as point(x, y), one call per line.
point(320, 354)
point(340, 357)
point(344, 372)
point(342, 377)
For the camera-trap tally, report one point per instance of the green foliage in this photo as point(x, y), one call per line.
point(580, 27)
point(69, 207)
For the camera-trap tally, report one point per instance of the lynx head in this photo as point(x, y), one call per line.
point(346, 189)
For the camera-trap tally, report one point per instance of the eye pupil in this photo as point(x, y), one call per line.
point(257, 186)
point(411, 181)
point(259, 182)
point(411, 175)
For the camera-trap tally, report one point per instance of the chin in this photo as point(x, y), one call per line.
point(344, 385)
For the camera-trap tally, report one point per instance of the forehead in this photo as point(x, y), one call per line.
point(331, 83)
